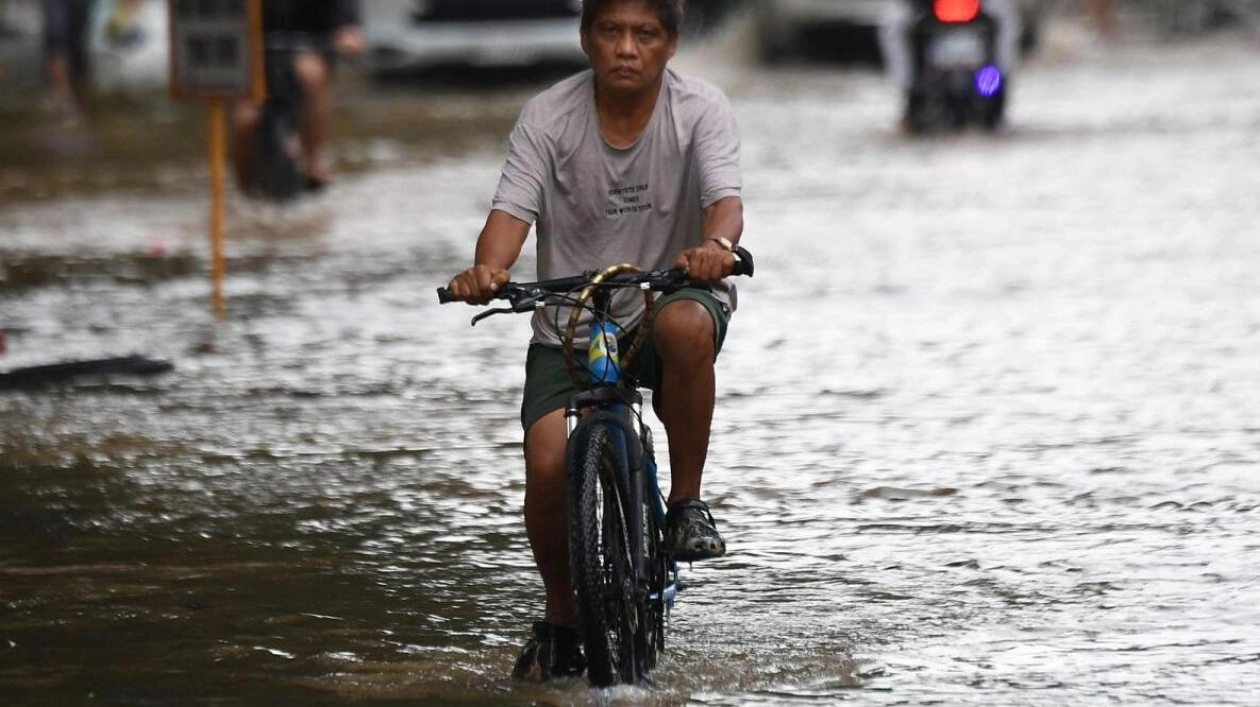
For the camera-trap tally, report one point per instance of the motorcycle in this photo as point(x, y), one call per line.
point(957, 76)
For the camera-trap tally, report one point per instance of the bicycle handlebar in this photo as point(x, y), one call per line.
point(526, 296)
point(529, 296)
point(517, 290)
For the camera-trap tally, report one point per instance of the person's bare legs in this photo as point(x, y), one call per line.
point(61, 85)
point(245, 117)
point(311, 70)
point(683, 334)
point(547, 514)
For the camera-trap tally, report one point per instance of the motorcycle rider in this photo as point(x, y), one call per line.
point(896, 41)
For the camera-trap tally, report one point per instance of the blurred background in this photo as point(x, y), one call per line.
point(986, 428)
point(416, 63)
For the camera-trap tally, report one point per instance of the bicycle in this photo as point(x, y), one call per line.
point(624, 579)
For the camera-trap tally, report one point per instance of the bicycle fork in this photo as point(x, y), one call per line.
point(630, 486)
point(617, 410)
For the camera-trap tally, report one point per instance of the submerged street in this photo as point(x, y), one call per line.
point(986, 429)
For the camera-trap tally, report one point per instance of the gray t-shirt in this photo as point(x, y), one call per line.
point(595, 205)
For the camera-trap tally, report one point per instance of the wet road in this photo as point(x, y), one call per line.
point(987, 429)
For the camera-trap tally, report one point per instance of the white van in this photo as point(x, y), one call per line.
point(405, 35)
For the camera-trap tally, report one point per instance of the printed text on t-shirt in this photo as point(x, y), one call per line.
point(628, 200)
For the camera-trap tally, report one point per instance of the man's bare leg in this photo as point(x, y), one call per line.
point(61, 85)
point(684, 334)
point(312, 73)
point(245, 117)
point(547, 514)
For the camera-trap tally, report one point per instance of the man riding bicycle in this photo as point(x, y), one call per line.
point(333, 27)
point(629, 162)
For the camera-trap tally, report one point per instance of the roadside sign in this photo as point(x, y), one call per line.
point(216, 57)
point(216, 50)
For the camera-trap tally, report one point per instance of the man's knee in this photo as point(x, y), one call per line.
point(684, 333)
point(311, 70)
point(544, 449)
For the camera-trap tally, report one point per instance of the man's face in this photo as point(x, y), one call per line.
point(628, 47)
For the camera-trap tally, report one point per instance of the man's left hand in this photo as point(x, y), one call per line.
point(706, 263)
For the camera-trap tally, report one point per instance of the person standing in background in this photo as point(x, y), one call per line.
point(66, 24)
point(335, 26)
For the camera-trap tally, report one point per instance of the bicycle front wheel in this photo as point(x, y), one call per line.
point(599, 550)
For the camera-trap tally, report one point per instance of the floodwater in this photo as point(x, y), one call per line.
point(988, 428)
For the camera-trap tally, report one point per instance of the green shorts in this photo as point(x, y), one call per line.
point(547, 383)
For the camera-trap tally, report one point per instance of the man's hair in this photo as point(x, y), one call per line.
point(670, 13)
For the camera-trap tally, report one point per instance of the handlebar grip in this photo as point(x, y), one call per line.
point(445, 296)
point(743, 262)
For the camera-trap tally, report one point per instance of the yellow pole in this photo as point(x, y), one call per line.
point(217, 149)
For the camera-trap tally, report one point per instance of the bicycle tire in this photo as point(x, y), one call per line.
point(599, 547)
point(650, 641)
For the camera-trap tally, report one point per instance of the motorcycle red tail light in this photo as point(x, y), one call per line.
point(956, 10)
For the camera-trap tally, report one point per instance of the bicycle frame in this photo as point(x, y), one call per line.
point(621, 406)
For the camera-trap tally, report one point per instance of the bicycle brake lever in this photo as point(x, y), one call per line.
point(527, 305)
point(491, 313)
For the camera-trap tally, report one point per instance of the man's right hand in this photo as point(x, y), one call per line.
point(478, 284)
